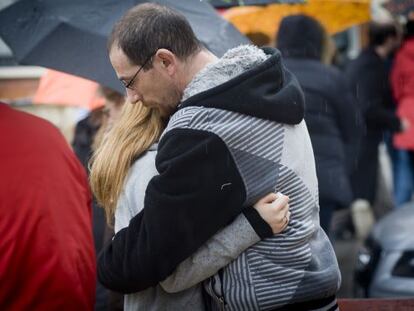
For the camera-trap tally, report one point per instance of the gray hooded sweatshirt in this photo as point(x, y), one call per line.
point(230, 112)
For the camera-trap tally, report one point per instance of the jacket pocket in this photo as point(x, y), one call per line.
point(214, 287)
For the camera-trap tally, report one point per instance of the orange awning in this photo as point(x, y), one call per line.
point(59, 88)
point(335, 15)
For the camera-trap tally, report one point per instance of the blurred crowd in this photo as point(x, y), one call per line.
point(352, 107)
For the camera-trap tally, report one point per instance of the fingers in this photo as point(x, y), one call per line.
point(284, 225)
point(273, 197)
point(287, 218)
point(274, 209)
point(281, 202)
point(284, 208)
point(269, 198)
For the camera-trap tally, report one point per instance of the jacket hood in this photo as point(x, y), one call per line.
point(251, 81)
point(300, 36)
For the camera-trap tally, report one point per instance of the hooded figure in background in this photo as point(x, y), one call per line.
point(330, 112)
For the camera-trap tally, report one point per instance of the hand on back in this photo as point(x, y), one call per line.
point(274, 209)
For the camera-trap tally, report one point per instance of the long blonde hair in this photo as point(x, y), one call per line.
point(136, 130)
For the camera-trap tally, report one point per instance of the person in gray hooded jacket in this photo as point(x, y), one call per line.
point(236, 133)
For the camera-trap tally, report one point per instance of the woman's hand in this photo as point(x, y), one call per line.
point(274, 209)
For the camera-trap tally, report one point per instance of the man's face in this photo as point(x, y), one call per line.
point(154, 87)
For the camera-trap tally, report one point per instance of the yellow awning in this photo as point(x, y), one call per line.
point(335, 15)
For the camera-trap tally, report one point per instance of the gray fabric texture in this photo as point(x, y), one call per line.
point(299, 264)
point(180, 291)
point(233, 63)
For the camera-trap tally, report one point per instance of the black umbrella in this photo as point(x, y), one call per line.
point(71, 35)
point(231, 3)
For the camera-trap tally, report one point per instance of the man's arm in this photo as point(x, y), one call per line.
point(224, 247)
point(228, 244)
point(198, 191)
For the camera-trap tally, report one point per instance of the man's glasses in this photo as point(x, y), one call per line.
point(129, 84)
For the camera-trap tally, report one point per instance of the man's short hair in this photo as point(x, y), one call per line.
point(380, 32)
point(148, 27)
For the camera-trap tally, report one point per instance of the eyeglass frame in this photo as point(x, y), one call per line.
point(129, 84)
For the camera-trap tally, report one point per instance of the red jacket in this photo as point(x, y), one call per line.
point(47, 259)
point(402, 82)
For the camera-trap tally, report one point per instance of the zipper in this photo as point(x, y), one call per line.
point(219, 299)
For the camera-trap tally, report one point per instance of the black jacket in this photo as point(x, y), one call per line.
point(369, 81)
point(330, 111)
point(368, 76)
point(332, 119)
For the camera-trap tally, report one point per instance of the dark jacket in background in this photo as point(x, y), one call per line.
point(85, 132)
point(331, 117)
point(368, 76)
point(330, 112)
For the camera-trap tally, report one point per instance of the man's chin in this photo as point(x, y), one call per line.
point(164, 110)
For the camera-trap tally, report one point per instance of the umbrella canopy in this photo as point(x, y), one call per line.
point(334, 15)
point(231, 3)
point(71, 36)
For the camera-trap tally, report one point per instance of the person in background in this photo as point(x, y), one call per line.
point(89, 132)
point(402, 82)
point(368, 76)
point(331, 114)
point(85, 131)
point(98, 120)
point(47, 257)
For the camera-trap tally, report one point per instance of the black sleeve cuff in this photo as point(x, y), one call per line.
point(259, 225)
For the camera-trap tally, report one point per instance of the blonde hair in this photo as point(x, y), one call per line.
point(136, 130)
point(110, 96)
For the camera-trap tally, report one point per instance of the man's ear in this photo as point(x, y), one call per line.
point(166, 61)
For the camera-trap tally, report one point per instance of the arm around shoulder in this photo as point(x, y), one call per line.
point(185, 205)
